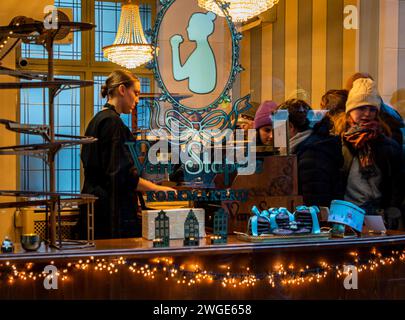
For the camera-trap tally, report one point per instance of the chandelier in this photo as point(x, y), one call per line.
point(239, 10)
point(130, 48)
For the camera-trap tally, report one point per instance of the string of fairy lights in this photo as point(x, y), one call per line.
point(164, 269)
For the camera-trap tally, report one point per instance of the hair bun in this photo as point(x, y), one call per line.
point(104, 91)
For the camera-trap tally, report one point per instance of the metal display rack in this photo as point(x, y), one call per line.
point(31, 31)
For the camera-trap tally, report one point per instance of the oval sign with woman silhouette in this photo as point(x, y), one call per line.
point(195, 55)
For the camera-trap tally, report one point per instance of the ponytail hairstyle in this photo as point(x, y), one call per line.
point(115, 79)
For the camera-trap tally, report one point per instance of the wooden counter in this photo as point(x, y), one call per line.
point(386, 282)
point(141, 248)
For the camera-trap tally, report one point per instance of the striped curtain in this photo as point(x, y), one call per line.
point(308, 50)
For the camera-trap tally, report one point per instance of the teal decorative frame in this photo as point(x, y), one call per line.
point(217, 119)
point(236, 68)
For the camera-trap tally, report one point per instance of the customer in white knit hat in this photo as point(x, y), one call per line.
point(363, 94)
point(375, 176)
point(388, 114)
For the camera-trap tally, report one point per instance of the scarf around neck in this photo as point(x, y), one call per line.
point(297, 139)
point(360, 137)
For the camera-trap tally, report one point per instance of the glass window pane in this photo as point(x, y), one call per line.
point(107, 18)
point(34, 172)
point(98, 100)
point(143, 106)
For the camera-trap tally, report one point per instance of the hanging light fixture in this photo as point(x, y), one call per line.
point(239, 10)
point(130, 48)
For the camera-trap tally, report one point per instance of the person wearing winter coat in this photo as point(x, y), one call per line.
point(372, 160)
point(319, 156)
point(299, 124)
point(387, 114)
point(320, 163)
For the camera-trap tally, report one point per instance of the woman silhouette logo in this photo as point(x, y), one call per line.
point(200, 67)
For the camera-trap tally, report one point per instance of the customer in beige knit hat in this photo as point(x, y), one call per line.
point(363, 94)
point(389, 115)
point(375, 176)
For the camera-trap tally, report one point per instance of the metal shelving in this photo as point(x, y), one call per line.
point(34, 32)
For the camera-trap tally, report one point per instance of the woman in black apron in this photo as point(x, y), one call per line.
point(109, 171)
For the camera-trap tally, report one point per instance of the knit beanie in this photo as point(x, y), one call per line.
point(363, 93)
point(263, 114)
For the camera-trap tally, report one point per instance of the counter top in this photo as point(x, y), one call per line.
point(139, 247)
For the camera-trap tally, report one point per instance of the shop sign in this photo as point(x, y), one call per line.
point(198, 195)
point(195, 117)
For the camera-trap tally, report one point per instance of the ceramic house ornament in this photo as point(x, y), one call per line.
point(162, 230)
point(220, 227)
point(7, 246)
point(191, 230)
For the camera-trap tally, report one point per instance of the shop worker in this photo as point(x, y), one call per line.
point(319, 156)
point(109, 171)
point(372, 159)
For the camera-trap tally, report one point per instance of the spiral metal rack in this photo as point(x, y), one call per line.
point(31, 31)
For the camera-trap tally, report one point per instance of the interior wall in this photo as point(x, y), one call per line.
point(388, 47)
point(8, 109)
point(398, 99)
point(308, 51)
point(304, 53)
point(8, 164)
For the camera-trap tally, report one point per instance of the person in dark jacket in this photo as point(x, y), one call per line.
point(320, 161)
point(298, 122)
point(319, 156)
point(373, 170)
point(109, 171)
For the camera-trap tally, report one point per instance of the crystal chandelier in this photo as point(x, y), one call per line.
point(130, 48)
point(239, 10)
